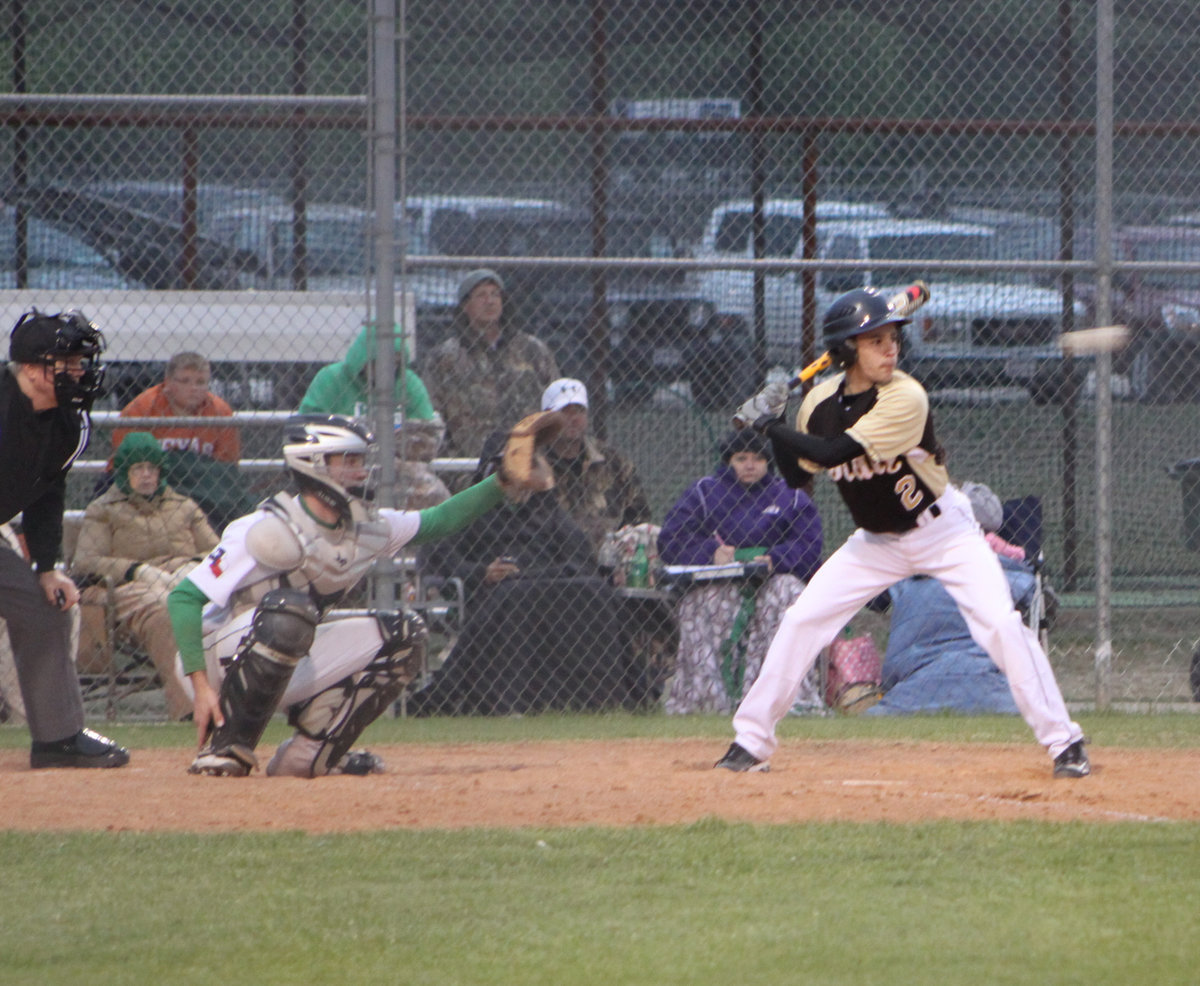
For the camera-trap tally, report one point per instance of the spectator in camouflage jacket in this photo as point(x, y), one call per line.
point(487, 375)
point(596, 485)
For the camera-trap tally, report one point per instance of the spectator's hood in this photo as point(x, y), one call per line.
point(362, 349)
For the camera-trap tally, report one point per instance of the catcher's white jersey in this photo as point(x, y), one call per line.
point(280, 544)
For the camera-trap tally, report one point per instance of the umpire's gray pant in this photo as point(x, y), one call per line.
point(41, 644)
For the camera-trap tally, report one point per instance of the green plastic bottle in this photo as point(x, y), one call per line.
point(639, 569)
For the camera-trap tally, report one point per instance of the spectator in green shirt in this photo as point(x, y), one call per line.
point(340, 388)
point(344, 388)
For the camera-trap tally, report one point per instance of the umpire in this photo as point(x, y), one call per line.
point(46, 392)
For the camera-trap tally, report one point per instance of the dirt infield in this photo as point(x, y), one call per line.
point(609, 783)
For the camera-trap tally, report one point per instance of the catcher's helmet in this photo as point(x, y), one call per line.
point(43, 339)
point(854, 313)
point(307, 441)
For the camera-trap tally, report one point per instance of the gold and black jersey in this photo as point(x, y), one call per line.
point(901, 472)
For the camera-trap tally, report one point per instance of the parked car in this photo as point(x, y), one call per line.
point(728, 236)
point(57, 260)
point(143, 247)
point(729, 230)
point(976, 329)
point(658, 333)
point(1162, 310)
point(164, 199)
point(337, 245)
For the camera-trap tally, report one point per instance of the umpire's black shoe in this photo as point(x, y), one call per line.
point(740, 759)
point(1072, 762)
point(85, 749)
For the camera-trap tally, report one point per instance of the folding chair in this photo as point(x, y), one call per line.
point(442, 602)
point(110, 668)
point(1022, 526)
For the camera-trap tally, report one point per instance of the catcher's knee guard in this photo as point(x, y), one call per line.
point(335, 718)
point(282, 632)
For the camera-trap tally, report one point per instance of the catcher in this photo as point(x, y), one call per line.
point(255, 621)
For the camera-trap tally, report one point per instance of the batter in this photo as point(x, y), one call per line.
point(871, 428)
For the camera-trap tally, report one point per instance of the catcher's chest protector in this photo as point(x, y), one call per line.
point(336, 560)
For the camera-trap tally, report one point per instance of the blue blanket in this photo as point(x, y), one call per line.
point(932, 663)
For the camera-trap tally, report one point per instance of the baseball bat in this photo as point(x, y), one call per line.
point(1102, 339)
point(902, 303)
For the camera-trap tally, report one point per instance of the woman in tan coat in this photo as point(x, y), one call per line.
point(141, 537)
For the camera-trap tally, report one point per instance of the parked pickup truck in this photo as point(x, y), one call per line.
point(977, 329)
point(1162, 310)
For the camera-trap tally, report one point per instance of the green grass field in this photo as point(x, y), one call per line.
point(709, 903)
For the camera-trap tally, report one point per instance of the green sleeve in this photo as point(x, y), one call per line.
point(747, 554)
point(454, 514)
point(185, 607)
point(416, 397)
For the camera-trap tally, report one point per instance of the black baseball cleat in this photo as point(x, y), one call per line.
point(86, 748)
point(1072, 762)
point(360, 763)
point(231, 761)
point(740, 759)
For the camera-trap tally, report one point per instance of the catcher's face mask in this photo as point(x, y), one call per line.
point(68, 346)
point(352, 471)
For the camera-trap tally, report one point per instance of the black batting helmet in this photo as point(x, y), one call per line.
point(854, 313)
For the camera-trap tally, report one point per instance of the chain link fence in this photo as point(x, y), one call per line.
point(671, 192)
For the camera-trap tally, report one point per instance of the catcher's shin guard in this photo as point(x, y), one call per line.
point(282, 633)
point(332, 720)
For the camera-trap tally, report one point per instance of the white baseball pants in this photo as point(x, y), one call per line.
point(342, 646)
point(951, 548)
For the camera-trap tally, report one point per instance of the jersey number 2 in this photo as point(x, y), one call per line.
point(910, 495)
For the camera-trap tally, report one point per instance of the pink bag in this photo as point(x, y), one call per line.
point(855, 673)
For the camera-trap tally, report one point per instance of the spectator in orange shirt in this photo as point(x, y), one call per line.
point(201, 460)
point(184, 393)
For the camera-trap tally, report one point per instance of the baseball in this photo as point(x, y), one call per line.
point(1103, 339)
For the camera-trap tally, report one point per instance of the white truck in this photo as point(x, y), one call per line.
point(978, 328)
point(264, 346)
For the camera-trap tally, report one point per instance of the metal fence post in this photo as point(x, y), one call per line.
point(1104, 261)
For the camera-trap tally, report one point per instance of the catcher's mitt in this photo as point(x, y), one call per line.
point(524, 468)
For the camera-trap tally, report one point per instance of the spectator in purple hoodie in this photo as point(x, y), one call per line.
point(743, 512)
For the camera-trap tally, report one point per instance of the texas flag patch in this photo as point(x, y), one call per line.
point(214, 562)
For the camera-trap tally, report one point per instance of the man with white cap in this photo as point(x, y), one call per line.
point(596, 484)
point(487, 375)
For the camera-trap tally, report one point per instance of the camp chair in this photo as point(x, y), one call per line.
point(111, 668)
point(1022, 526)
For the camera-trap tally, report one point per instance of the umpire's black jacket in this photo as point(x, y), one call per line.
point(36, 450)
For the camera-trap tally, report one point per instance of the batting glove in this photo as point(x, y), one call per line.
point(764, 407)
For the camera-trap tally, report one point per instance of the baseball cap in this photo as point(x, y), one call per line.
point(472, 279)
point(563, 392)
